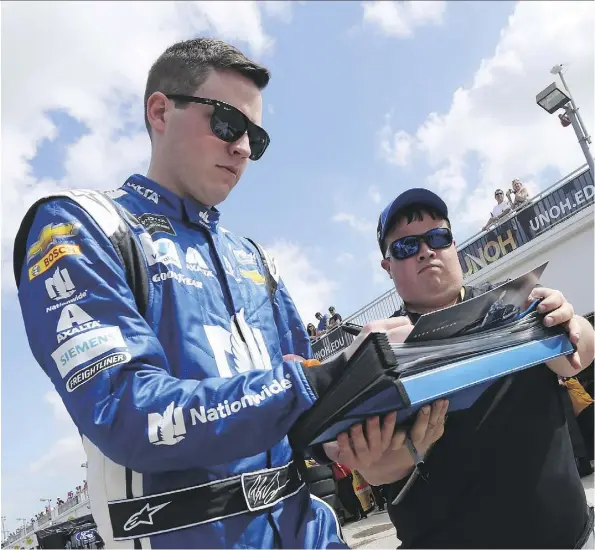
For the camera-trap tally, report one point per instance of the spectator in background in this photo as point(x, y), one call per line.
point(311, 329)
point(520, 194)
point(344, 478)
point(582, 406)
point(500, 210)
point(322, 323)
point(335, 319)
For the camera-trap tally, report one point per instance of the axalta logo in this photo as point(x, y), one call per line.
point(195, 262)
point(182, 279)
point(169, 428)
point(48, 236)
point(149, 194)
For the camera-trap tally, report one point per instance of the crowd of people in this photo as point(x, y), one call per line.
point(325, 323)
point(505, 207)
point(46, 514)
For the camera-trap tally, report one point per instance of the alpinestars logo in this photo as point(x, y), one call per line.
point(144, 515)
point(59, 286)
point(168, 428)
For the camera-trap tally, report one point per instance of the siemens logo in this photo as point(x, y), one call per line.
point(84, 347)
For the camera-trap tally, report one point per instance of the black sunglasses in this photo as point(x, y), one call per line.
point(230, 124)
point(406, 247)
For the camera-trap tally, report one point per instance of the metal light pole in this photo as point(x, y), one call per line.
point(3, 528)
point(577, 121)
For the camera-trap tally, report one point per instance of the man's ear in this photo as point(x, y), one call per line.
point(385, 263)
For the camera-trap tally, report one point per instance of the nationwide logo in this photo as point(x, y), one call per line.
point(161, 251)
point(195, 262)
point(55, 254)
point(254, 276)
point(204, 216)
point(49, 235)
point(148, 194)
point(76, 298)
point(225, 409)
point(87, 373)
point(59, 286)
point(168, 428)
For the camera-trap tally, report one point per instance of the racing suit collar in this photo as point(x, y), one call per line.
point(170, 204)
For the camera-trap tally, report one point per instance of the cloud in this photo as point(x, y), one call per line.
point(98, 82)
point(374, 194)
point(67, 452)
point(395, 147)
point(345, 258)
point(402, 18)
point(494, 131)
point(361, 225)
point(309, 287)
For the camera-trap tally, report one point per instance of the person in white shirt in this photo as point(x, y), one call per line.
point(500, 210)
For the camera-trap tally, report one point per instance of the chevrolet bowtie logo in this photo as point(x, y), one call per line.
point(48, 236)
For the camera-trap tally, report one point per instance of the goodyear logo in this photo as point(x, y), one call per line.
point(48, 236)
point(57, 252)
point(254, 276)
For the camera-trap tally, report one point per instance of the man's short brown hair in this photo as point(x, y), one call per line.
point(185, 66)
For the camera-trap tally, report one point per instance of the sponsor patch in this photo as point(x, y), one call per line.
point(87, 373)
point(161, 251)
point(55, 254)
point(255, 276)
point(84, 347)
point(156, 223)
point(59, 286)
point(49, 235)
point(195, 262)
point(243, 257)
point(149, 194)
point(72, 300)
point(182, 279)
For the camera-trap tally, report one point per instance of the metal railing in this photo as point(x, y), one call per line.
point(45, 519)
point(529, 202)
point(381, 308)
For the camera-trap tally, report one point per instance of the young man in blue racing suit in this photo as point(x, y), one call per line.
point(184, 402)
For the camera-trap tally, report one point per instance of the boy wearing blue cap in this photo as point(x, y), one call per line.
point(501, 474)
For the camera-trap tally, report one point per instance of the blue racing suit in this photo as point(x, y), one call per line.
point(188, 393)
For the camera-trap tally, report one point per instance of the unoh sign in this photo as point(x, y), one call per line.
point(529, 223)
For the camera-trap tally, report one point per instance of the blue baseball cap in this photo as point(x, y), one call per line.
point(417, 196)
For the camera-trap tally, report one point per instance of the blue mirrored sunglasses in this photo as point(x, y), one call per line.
point(406, 247)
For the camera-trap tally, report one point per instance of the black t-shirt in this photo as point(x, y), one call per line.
point(512, 483)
